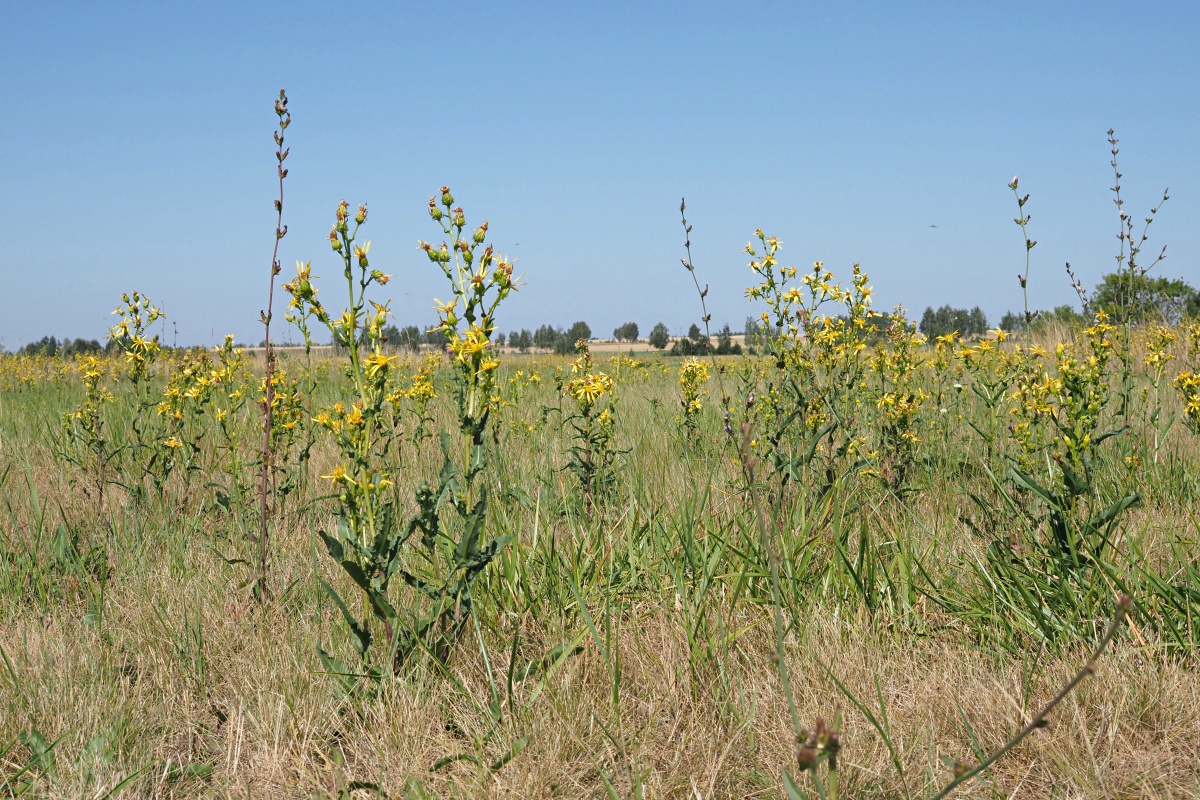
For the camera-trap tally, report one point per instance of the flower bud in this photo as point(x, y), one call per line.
point(447, 198)
point(361, 216)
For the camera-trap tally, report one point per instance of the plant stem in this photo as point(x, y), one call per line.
point(1124, 605)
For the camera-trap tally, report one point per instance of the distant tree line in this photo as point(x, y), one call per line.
point(950, 320)
point(66, 347)
point(1138, 299)
point(697, 343)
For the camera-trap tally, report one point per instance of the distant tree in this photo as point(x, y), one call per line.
point(1012, 321)
point(694, 332)
point(500, 339)
point(522, 340)
point(435, 337)
point(1064, 314)
point(46, 346)
point(660, 337)
point(725, 345)
point(409, 338)
point(67, 347)
point(949, 320)
point(1139, 299)
point(627, 332)
point(577, 331)
point(81, 347)
point(545, 337)
point(977, 321)
point(686, 346)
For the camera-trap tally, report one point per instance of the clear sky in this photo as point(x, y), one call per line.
point(136, 151)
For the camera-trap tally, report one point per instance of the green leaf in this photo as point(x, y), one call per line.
point(448, 760)
point(178, 772)
point(362, 636)
point(1109, 434)
point(794, 792)
point(513, 752)
point(1112, 512)
point(332, 545)
point(1027, 482)
point(552, 659)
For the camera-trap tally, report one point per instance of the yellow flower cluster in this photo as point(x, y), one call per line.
point(131, 333)
point(693, 374)
point(1188, 386)
point(338, 419)
point(589, 388)
point(1157, 348)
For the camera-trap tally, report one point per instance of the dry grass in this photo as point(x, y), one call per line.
point(180, 666)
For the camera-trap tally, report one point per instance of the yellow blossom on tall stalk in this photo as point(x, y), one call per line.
point(1083, 389)
point(1031, 405)
point(480, 281)
point(899, 399)
point(693, 374)
point(808, 406)
point(592, 455)
point(86, 443)
point(988, 372)
point(149, 431)
point(1187, 384)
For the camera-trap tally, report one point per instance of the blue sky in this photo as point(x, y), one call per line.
point(136, 152)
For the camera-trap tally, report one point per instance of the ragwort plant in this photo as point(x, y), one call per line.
point(1074, 403)
point(1187, 383)
point(368, 539)
point(1158, 355)
point(693, 375)
point(592, 453)
point(85, 441)
point(806, 416)
point(899, 400)
point(452, 517)
point(149, 450)
point(370, 542)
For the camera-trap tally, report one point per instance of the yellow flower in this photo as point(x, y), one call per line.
point(378, 362)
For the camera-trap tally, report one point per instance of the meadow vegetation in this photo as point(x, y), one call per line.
point(858, 562)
